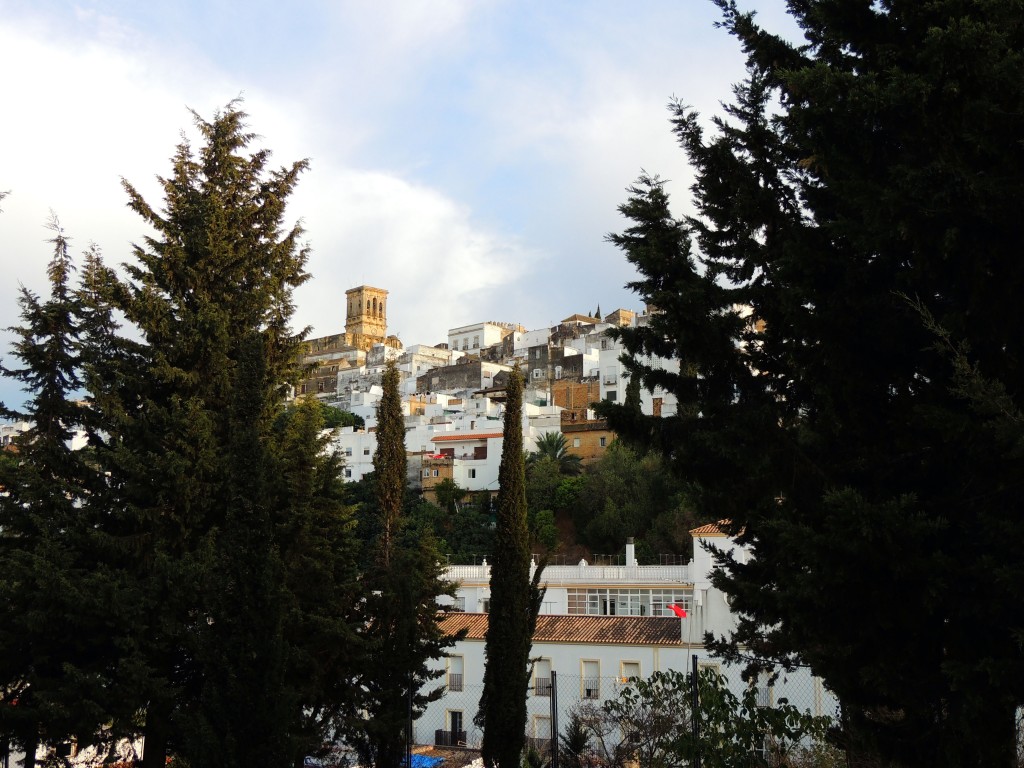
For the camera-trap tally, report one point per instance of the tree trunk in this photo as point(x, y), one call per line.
point(154, 748)
point(31, 745)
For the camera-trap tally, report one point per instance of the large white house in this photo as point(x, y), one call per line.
point(599, 626)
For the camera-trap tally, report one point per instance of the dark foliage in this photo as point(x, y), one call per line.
point(850, 366)
point(515, 601)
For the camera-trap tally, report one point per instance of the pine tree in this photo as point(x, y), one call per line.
point(515, 602)
point(856, 180)
point(401, 586)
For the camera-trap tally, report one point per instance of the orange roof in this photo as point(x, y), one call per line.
point(602, 630)
point(711, 529)
point(477, 436)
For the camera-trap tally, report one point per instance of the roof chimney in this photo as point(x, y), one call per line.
point(630, 552)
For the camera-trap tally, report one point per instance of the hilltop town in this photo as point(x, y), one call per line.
point(453, 392)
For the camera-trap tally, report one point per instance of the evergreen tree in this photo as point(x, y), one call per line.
point(196, 482)
point(401, 621)
point(318, 550)
point(867, 175)
point(515, 602)
point(389, 462)
point(42, 538)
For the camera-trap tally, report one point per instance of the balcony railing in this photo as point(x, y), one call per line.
point(541, 746)
point(576, 574)
point(444, 738)
point(591, 688)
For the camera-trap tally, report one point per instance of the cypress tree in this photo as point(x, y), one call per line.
point(401, 619)
point(389, 462)
point(861, 201)
point(515, 602)
point(318, 551)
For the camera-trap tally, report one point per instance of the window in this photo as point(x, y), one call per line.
point(591, 682)
point(455, 670)
point(433, 473)
point(763, 689)
point(558, 371)
point(626, 601)
point(485, 605)
point(348, 473)
point(348, 451)
point(612, 395)
point(541, 738)
point(476, 341)
point(472, 474)
point(542, 677)
point(575, 442)
point(453, 735)
point(538, 373)
point(603, 441)
point(366, 451)
point(426, 473)
point(459, 605)
point(629, 669)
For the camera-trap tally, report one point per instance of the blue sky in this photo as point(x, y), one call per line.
point(466, 156)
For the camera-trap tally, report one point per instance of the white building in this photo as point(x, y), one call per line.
point(598, 627)
point(9, 431)
point(473, 338)
point(614, 380)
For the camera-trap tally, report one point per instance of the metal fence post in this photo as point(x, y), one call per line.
point(695, 713)
point(554, 719)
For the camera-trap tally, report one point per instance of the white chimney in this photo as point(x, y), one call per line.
point(630, 552)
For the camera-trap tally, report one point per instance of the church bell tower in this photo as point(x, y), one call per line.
point(366, 320)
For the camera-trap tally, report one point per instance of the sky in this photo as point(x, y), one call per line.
point(468, 156)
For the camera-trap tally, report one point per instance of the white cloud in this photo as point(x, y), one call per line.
point(90, 111)
point(372, 228)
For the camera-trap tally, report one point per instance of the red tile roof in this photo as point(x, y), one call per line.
point(477, 436)
point(601, 630)
point(711, 529)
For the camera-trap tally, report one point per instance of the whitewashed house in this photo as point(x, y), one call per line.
point(599, 626)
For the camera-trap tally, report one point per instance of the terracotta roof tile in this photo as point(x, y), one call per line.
point(711, 529)
point(601, 630)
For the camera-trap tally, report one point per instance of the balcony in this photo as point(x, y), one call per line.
point(444, 738)
point(541, 746)
point(563, 575)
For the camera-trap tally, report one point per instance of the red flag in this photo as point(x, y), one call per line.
point(677, 610)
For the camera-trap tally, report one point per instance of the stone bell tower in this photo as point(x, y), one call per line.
point(366, 319)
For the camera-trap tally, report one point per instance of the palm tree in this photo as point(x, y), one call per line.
point(553, 445)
